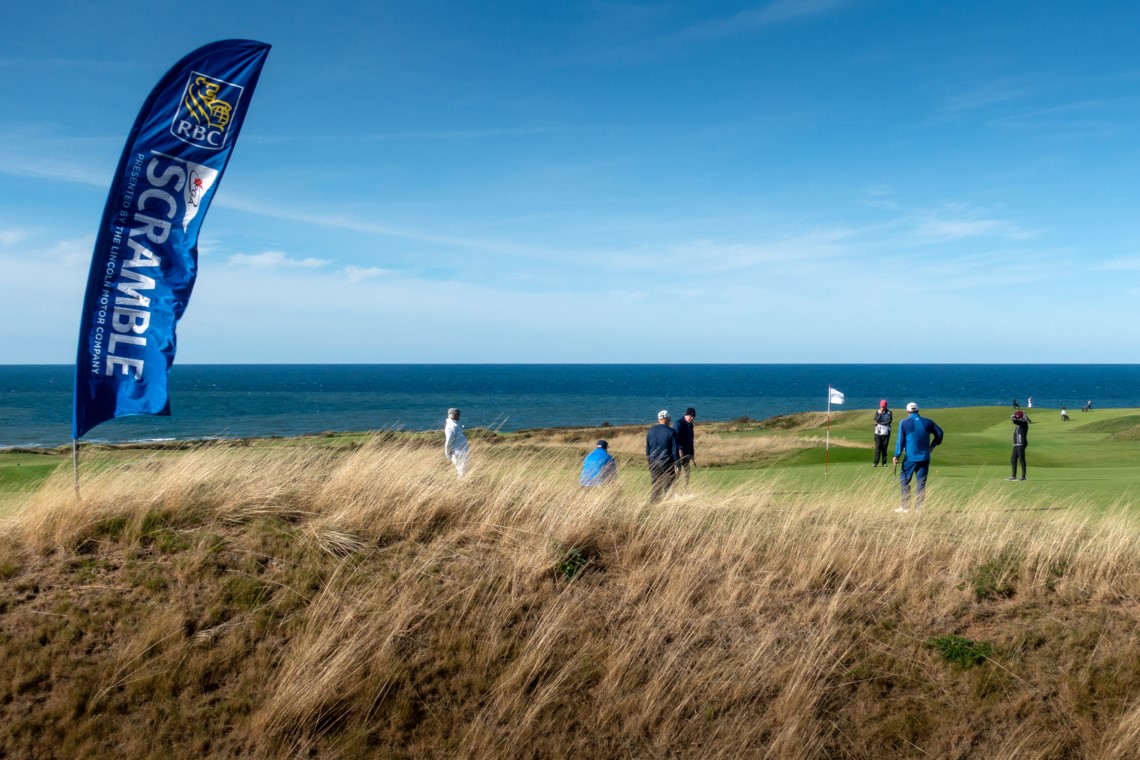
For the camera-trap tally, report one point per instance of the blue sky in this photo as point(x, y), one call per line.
point(774, 181)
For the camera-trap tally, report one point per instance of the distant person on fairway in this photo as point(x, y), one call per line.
point(918, 436)
point(661, 453)
point(1015, 404)
point(1064, 414)
point(684, 431)
point(1020, 440)
point(599, 468)
point(455, 442)
point(884, 418)
point(1029, 403)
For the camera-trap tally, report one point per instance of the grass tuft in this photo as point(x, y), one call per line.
point(571, 564)
point(961, 651)
point(990, 580)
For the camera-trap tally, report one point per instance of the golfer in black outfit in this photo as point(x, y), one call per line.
point(883, 419)
point(685, 451)
point(1020, 441)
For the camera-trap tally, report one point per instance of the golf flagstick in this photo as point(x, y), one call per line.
point(837, 397)
point(827, 438)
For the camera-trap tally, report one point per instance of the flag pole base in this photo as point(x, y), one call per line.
point(75, 464)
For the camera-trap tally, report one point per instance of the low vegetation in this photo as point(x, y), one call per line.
point(348, 598)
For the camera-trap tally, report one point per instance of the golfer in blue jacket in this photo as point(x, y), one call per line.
point(917, 437)
point(599, 469)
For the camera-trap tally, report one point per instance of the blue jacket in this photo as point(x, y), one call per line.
point(684, 431)
point(661, 445)
point(598, 469)
point(918, 436)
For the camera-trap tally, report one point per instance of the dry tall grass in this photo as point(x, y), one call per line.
point(310, 602)
point(627, 444)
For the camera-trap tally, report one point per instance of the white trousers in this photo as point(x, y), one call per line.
point(459, 459)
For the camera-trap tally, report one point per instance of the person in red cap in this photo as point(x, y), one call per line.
point(1020, 422)
point(883, 419)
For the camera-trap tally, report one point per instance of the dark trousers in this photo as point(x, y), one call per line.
point(686, 464)
point(661, 476)
point(881, 442)
point(919, 471)
point(1018, 456)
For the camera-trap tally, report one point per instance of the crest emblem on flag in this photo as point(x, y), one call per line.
point(198, 182)
point(205, 111)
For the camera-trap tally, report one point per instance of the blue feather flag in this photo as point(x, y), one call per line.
point(145, 259)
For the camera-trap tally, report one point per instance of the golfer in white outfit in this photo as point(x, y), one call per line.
point(455, 442)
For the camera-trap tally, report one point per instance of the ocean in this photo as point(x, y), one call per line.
point(216, 400)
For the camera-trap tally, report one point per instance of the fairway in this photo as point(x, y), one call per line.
point(1092, 461)
point(21, 472)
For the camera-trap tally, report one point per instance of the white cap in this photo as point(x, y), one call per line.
point(663, 414)
point(912, 407)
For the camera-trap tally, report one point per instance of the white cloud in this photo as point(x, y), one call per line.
point(628, 295)
point(368, 227)
point(1122, 264)
point(707, 258)
point(785, 10)
point(12, 236)
point(1002, 90)
point(637, 27)
point(420, 135)
point(76, 252)
point(1056, 115)
point(878, 196)
point(357, 274)
point(72, 252)
point(943, 229)
point(275, 260)
point(32, 163)
point(769, 14)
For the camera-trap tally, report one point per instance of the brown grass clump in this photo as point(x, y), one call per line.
point(314, 602)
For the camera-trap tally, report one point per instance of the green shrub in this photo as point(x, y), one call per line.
point(572, 563)
point(157, 531)
point(245, 592)
point(961, 651)
point(989, 580)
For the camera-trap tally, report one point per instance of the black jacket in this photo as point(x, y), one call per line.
point(1020, 431)
point(684, 431)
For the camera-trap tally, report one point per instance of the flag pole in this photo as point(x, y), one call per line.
point(827, 438)
point(75, 464)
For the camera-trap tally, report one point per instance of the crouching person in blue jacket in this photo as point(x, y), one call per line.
point(917, 437)
point(599, 469)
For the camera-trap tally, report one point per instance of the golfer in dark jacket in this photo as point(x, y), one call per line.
point(1020, 441)
point(883, 420)
point(917, 437)
point(661, 453)
point(684, 431)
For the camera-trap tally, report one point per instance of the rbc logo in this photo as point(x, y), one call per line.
point(204, 114)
